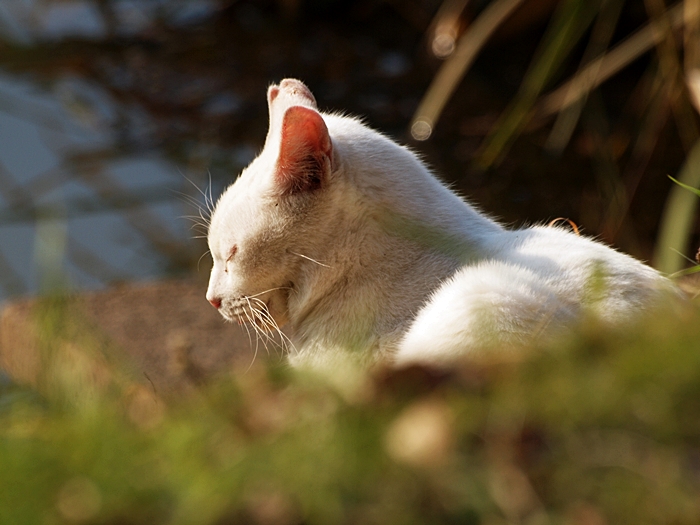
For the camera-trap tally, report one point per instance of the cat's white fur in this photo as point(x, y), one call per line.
point(374, 258)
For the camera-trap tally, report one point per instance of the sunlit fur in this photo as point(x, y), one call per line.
point(384, 262)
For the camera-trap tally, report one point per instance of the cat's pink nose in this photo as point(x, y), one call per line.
point(215, 302)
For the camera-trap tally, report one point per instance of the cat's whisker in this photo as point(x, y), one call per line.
point(263, 318)
point(200, 258)
point(197, 206)
point(191, 217)
point(255, 352)
point(200, 216)
point(202, 193)
point(196, 222)
point(210, 200)
point(285, 341)
point(247, 330)
point(198, 225)
point(258, 317)
point(287, 344)
point(205, 217)
point(309, 259)
point(267, 336)
point(258, 335)
point(186, 197)
point(252, 361)
point(269, 290)
point(270, 323)
point(257, 340)
point(204, 214)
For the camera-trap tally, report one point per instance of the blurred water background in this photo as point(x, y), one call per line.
point(114, 114)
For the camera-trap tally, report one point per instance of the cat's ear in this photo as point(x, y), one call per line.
point(293, 91)
point(306, 152)
point(272, 93)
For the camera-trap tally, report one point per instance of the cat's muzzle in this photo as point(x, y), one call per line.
point(247, 310)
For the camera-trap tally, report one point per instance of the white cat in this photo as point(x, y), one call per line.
point(348, 238)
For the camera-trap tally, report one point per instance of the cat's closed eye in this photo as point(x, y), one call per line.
point(231, 253)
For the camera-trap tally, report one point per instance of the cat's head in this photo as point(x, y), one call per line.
point(262, 223)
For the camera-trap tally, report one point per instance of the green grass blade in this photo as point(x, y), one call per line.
point(689, 188)
point(678, 215)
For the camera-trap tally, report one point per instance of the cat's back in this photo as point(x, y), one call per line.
point(554, 252)
point(532, 284)
point(582, 271)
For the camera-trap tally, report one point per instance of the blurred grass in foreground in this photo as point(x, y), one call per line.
point(602, 429)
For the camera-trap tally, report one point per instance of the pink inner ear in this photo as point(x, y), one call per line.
point(305, 151)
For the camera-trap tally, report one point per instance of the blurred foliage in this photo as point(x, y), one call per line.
point(603, 428)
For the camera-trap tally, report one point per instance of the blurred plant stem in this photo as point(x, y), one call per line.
point(602, 33)
point(50, 251)
point(453, 70)
point(691, 49)
point(571, 19)
point(671, 70)
point(681, 206)
point(606, 66)
point(678, 216)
